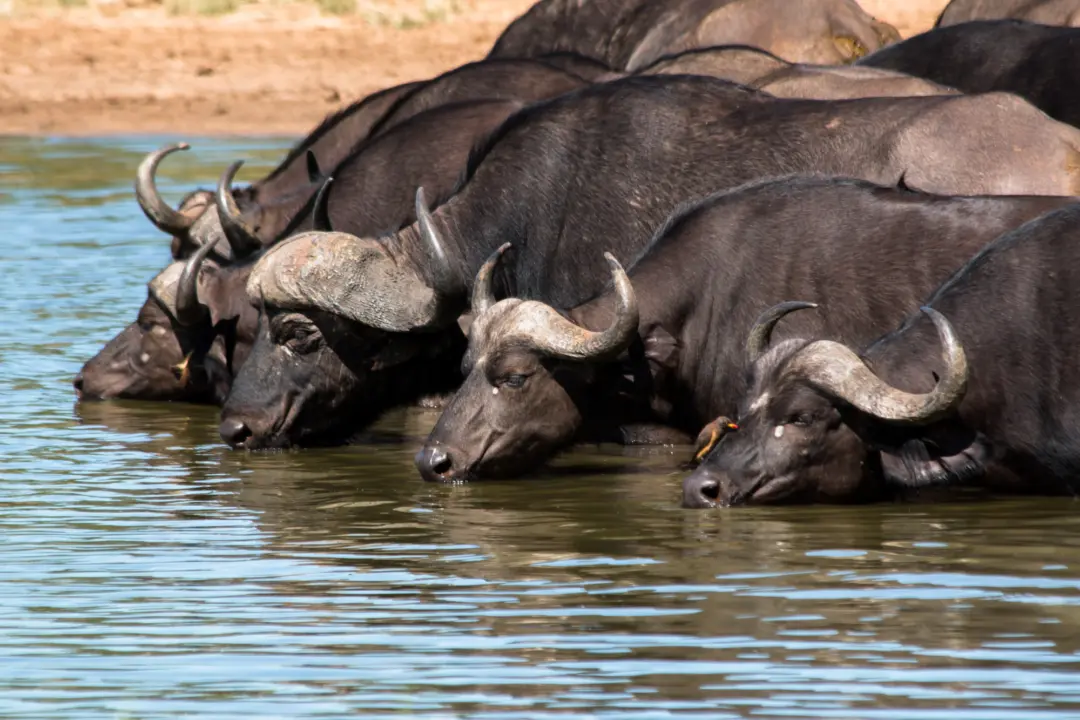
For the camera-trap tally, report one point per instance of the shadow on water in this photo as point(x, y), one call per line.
point(151, 572)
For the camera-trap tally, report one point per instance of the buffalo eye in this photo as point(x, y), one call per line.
point(800, 420)
point(296, 333)
point(300, 339)
point(515, 381)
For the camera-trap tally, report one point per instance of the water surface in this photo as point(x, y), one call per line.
point(148, 572)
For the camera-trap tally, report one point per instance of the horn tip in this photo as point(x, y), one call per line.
point(503, 248)
point(615, 264)
point(182, 146)
point(939, 320)
point(420, 198)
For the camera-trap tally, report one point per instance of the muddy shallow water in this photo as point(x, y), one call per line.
point(146, 571)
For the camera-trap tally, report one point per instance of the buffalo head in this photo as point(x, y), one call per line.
point(815, 419)
point(528, 371)
point(348, 327)
point(192, 330)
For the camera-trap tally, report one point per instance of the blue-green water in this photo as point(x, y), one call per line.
point(148, 572)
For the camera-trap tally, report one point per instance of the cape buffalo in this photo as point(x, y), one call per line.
point(980, 389)
point(599, 168)
point(267, 207)
point(170, 353)
point(672, 353)
point(1047, 12)
point(630, 34)
point(1037, 62)
point(762, 70)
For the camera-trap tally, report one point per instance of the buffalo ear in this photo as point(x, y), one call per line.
point(653, 379)
point(921, 462)
point(217, 299)
point(661, 349)
point(465, 322)
point(229, 310)
point(218, 293)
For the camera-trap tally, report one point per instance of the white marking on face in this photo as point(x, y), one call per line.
point(144, 358)
point(778, 432)
point(494, 391)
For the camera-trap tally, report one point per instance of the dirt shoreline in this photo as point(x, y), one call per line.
point(262, 70)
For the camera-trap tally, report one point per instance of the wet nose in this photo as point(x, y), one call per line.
point(700, 491)
point(234, 432)
point(435, 464)
point(78, 383)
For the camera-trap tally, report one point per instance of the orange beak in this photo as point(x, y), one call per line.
point(182, 370)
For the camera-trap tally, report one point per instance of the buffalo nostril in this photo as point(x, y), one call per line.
point(440, 462)
point(234, 432)
point(434, 463)
point(78, 383)
point(710, 489)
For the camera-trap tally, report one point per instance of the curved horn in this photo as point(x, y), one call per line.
point(354, 277)
point(837, 370)
point(552, 334)
point(757, 342)
point(189, 311)
point(482, 296)
point(320, 214)
point(441, 274)
point(159, 212)
point(241, 238)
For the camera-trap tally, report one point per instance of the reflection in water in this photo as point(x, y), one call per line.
point(150, 572)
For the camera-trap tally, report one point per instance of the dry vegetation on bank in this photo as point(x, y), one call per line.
point(198, 67)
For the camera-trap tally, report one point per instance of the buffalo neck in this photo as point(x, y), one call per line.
point(407, 246)
point(470, 232)
point(331, 142)
point(653, 380)
point(288, 213)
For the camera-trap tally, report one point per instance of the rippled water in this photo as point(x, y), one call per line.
point(146, 571)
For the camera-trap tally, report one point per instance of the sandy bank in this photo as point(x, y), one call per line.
point(263, 69)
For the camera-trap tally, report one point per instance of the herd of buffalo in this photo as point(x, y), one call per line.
point(845, 263)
